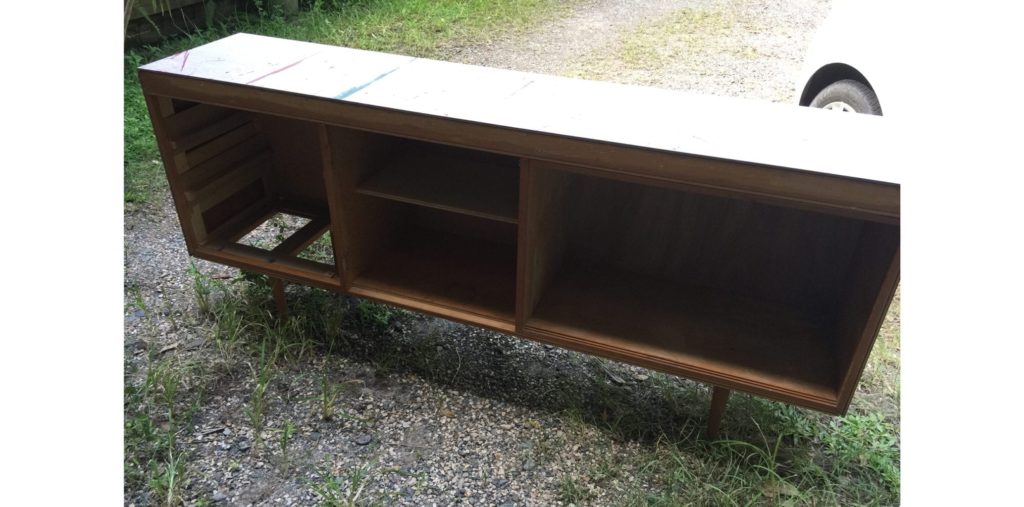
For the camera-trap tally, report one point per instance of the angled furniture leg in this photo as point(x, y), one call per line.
point(719, 398)
point(279, 300)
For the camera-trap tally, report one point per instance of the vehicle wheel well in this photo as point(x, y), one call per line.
point(827, 75)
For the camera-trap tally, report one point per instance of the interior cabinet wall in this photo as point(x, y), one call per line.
point(768, 253)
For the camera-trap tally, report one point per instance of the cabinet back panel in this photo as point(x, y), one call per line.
point(461, 225)
point(785, 256)
point(297, 172)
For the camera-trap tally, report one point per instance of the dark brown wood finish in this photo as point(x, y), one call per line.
point(297, 172)
point(542, 200)
point(467, 278)
point(280, 302)
point(871, 285)
point(363, 224)
point(707, 335)
point(159, 109)
point(740, 273)
point(437, 176)
point(230, 171)
point(719, 400)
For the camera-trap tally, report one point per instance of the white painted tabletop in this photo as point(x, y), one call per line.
point(783, 135)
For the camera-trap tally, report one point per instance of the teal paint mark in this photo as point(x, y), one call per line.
point(343, 95)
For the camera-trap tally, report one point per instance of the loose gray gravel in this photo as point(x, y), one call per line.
point(488, 426)
point(749, 49)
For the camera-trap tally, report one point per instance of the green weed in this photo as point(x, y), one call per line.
point(326, 399)
point(346, 491)
point(609, 467)
point(286, 433)
point(853, 460)
point(152, 420)
point(230, 324)
point(330, 492)
point(865, 446)
point(166, 478)
point(255, 410)
point(321, 250)
point(372, 317)
point(202, 287)
point(139, 302)
point(169, 381)
point(570, 491)
point(328, 396)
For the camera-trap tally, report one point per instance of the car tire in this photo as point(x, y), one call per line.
point(849, 96)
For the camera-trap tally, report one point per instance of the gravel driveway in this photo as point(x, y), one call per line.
point(488, 424)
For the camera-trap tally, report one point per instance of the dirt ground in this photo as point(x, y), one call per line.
point(479, 418)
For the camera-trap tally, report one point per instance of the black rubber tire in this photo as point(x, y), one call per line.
point(858, 95)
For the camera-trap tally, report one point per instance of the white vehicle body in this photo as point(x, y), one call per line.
point(854, 43)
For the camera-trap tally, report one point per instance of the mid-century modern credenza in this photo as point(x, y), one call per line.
point(748, 245)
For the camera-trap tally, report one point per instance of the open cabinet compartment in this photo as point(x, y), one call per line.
point(426, 226)
point(764, 298)
point(232, 171)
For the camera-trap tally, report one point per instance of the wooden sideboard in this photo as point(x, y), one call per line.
point(751, 246)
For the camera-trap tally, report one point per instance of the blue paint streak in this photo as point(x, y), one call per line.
point(343, 95)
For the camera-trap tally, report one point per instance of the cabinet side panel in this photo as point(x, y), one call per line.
point(542, 231)
point(871, 284)
point(361, 224)
point(160, 108)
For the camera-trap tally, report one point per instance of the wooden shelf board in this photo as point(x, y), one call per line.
point(293, 270)
point(452, 276)
point(698, 333)
point(484, 185)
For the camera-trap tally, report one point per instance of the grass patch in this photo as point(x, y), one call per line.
point(143, 170)
point(347, 491)
point(255, 410)
point(852, 461)
point(321, 250)
point(163, 394)
point(679, 40)
point(772, 453)
point(156, 408)
point(425, 28)
point(571, 492)
point(682, 35)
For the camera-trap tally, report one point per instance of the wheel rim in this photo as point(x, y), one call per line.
point(839, 106)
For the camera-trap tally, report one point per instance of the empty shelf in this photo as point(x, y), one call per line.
point(472, 183)
point(688, 330)
point(455, 276)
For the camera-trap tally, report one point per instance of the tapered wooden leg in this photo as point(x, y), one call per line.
point(719, 397)
point(279, 300)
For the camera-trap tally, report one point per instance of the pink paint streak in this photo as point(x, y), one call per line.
point(286, 67)
point(183, 62)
